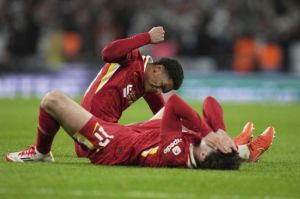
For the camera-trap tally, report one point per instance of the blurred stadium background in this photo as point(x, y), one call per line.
point(234, 50)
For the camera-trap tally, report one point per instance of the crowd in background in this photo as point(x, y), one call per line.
point(240, 35)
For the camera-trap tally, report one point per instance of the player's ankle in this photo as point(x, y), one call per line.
point(40, 154)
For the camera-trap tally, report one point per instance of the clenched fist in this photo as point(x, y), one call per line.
point(157, 34)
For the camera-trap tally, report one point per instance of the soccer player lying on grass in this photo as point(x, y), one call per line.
point(127, 76)
point(213, 116)
point(115, 144)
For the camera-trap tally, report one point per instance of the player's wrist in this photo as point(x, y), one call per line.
point(145, 36)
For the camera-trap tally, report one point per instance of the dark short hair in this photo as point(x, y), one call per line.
point(174, 70)
point(221, 161)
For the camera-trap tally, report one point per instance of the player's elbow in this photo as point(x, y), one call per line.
point(209, 100)
point(106, 54)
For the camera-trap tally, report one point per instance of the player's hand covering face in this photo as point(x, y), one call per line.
point(220, 141)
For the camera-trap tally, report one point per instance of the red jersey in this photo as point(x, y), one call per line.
point(146, 145)
point(121, 81)
point(156, 143)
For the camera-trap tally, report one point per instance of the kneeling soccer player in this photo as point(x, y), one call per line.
point(143, 145)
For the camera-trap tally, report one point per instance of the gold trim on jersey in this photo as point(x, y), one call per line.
point(147, 59)
point(97, 125)
point(111, 70)
point(150, 151)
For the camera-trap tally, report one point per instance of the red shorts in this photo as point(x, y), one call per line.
point(92, 136)
point(108, 143)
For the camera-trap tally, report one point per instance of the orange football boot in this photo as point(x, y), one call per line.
point(258, 146)
point(246, 135)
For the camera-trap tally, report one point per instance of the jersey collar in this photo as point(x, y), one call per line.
point(191, 158)
point(147, 59)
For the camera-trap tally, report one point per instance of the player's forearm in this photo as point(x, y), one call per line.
point(195, 123)
point(155, 102)
point(189, 117)
point(117, 50)
point(178, 113)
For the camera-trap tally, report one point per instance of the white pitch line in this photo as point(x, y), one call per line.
point(97, 193)
point(131, 194)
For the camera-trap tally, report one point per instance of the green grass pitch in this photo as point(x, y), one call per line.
point(276, 175)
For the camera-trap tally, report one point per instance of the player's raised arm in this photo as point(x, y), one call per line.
point(117, 51)
point(178, 113)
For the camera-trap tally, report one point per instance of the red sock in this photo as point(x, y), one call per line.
point(213, 114)
point(46, 130)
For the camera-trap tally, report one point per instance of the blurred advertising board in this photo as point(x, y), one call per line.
point(242, 88)
point(224, 86)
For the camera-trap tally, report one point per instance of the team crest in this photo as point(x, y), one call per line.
point(176, 150)
point(129, 94)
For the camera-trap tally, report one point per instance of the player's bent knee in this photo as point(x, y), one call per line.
point(52, 99)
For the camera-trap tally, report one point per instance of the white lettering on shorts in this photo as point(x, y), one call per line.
point(103, 137)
